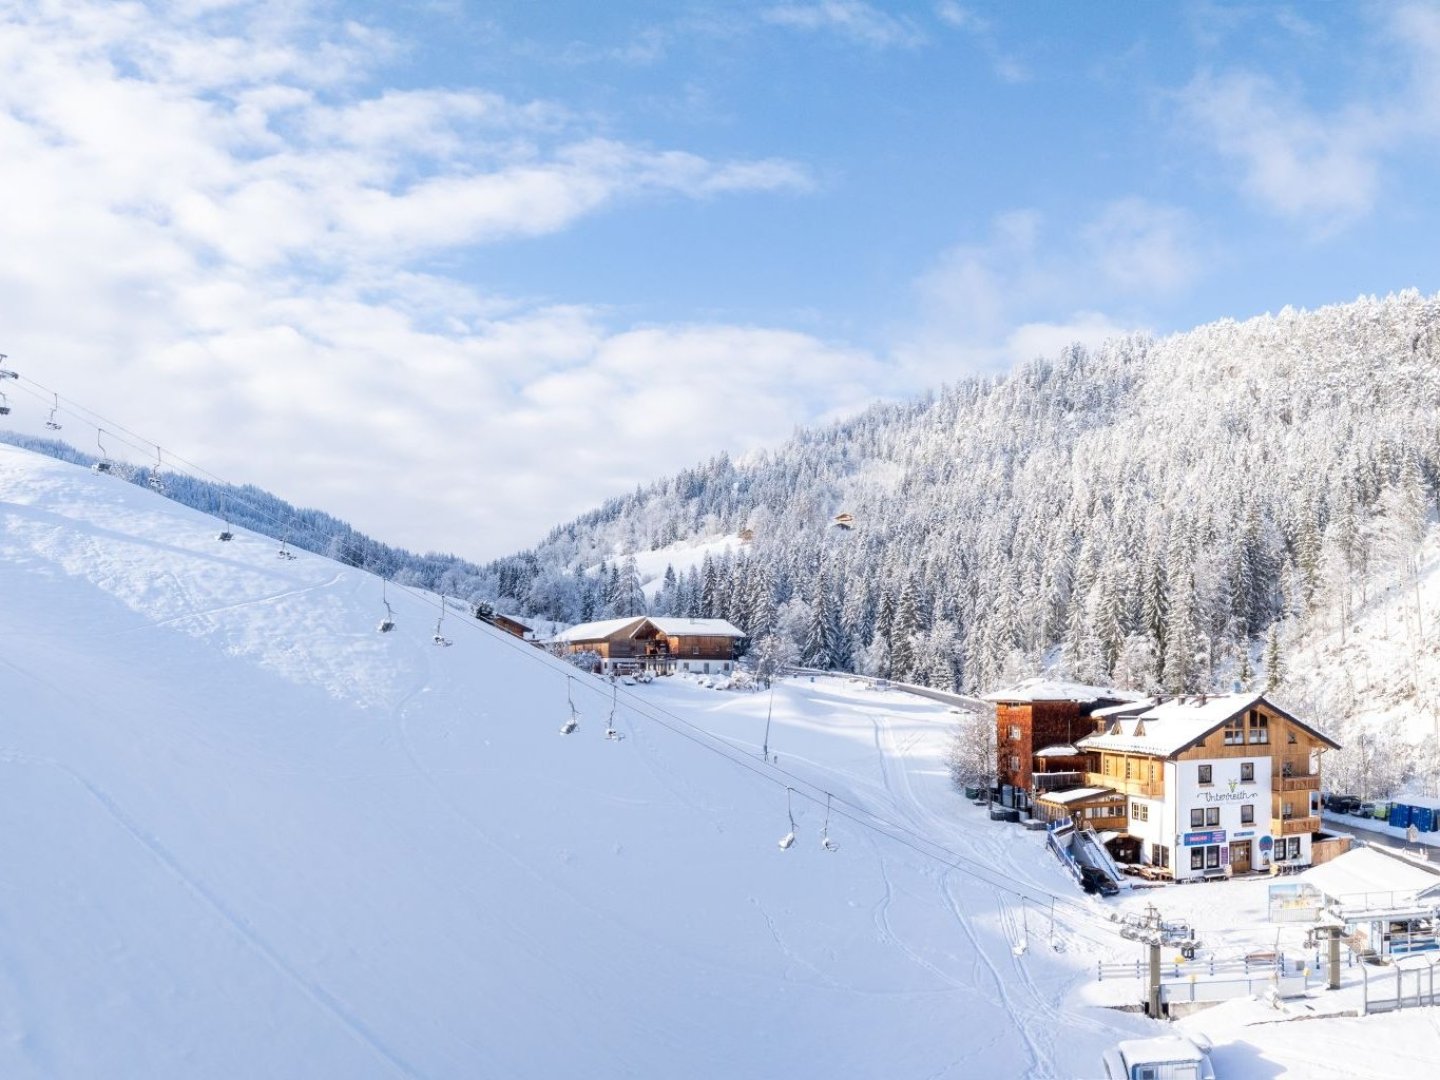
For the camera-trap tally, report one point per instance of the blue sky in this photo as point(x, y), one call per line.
point(458, 270)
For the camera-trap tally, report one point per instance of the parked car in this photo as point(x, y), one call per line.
point(1365, 809)
point(1165, 1057)
point(1341, 804)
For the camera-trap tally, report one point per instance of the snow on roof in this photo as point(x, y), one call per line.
point(1039, 689)
point(1170, 726)
point(1058, 751)
point(607, 628)
point(1160, 1050)
point(691, 627)
point(1075, 794)
point(1127, 708)
point(1369, 870)
point(595, 631)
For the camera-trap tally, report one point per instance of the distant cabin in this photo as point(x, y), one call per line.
point(660, 645)
point(508, 623)
point(1046, 714)
point(747, 535)
point(844, 521)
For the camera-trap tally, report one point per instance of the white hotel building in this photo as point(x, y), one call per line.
point(1215, 785)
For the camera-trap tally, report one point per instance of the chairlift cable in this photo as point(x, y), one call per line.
point(856, 814)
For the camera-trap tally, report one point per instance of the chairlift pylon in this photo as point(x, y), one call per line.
point(388, 622)
point(51, 422)
point(574, 722)
point(789, 837)
point(825, 841)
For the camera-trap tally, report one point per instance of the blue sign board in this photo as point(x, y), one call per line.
point(1266, 843)
point(1197, 839)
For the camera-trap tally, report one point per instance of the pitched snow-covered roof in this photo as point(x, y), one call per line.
point(1075, 794)
point(1040, 689)
point(696, 627)
point(1367, 870)
point(1125, 708)
point(1170, 726)
point(671, 627)
point(597, 631)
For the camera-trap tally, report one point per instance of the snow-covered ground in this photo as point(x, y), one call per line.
point(245, 834)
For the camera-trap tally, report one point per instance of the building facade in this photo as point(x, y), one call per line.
point(660, 645)
point(1214, 785)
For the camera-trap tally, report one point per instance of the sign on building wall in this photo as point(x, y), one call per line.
point(1200, 839)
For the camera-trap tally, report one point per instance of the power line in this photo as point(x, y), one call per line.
point(802, 787)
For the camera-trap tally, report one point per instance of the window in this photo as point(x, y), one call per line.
point(1014, 732)
point(1160, 855)
point(1290, 737)
point(1212, 815)
point(1280, 850)
point(1287, 811)
point(1207, 774)
point(1127, 768)
point(1247, 815)
point(1235, 731)
point(1139, 812)
point(1212, 857)
point(1259, 727)
point(1247, 772)
point(1197, 858)
point(1014, 762)
point(1197, 819)
point(1294, 847)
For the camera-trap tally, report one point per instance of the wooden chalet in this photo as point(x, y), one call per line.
point(657, 644)
point(508, 623)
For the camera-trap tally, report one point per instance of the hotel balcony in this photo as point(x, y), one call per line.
point(1133, 786)
point(1294, 826)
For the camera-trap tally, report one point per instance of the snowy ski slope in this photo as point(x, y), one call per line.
point(244, 834)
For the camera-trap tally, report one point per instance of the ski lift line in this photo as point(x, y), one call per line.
point(857, 815)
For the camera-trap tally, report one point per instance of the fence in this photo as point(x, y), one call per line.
point(1414, 988)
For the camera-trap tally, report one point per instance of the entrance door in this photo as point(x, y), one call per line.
point(1240, 857)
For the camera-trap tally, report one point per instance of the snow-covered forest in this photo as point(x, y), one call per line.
point(1167, 514)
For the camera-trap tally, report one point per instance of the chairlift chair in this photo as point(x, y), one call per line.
point(51, 422)
point(104, 464)
point(388, 622)
point(6, 373)
point(789, 837)
point(285, 552)
point(4, 405)
point(439, 638)
point(157, 485)
point(574, 722)
point(610, 731)
point(825, 841)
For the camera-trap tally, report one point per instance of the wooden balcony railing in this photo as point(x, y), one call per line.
point(1295, 826)
point(1133, 786)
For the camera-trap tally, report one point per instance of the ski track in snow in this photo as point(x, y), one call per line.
point(313, 990)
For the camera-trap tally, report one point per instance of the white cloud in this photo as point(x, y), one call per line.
point(1030, 289)
point(852, 19)
point(1326, 168)
point(1141, 246)
point(1007, 67)
point(219, 250)
point(1292, 160)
